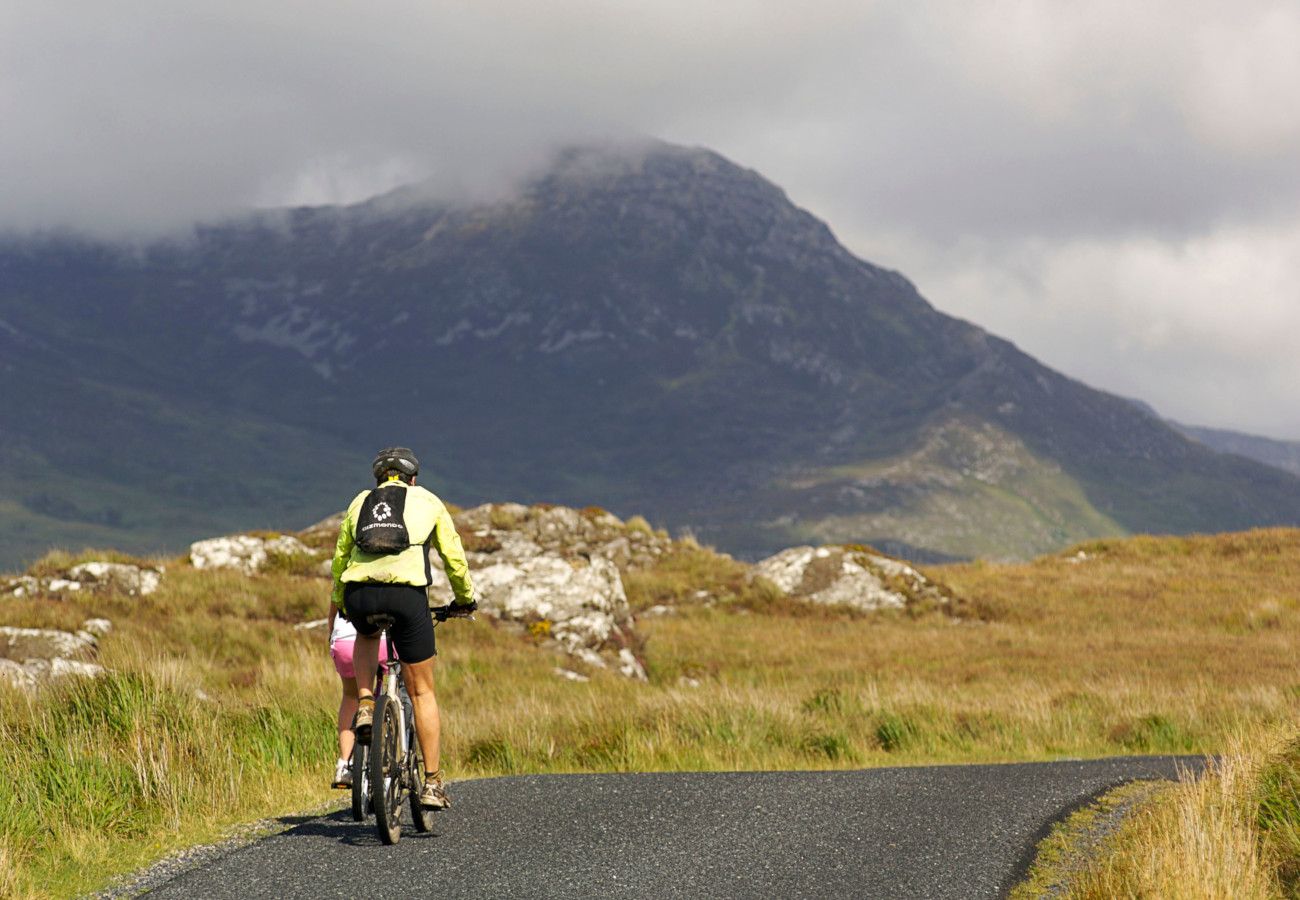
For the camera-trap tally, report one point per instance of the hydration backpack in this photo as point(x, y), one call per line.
point(381, 526)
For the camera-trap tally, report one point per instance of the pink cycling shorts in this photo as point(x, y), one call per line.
point(341, 653)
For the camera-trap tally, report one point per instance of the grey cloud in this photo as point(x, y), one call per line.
point(972, 145)
point(948, 118)
point(1203, 329)
point(140, 114)
point(986, 128)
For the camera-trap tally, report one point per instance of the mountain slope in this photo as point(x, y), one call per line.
point(1279, 454)
point(652, 329)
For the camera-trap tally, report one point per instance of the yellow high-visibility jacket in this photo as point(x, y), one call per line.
point(429, 525)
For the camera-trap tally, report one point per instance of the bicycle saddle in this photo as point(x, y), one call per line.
point(380, 620)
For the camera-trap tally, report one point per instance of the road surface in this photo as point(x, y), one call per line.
point(932, 831)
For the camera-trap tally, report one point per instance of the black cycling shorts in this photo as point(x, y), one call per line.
point(409, 607)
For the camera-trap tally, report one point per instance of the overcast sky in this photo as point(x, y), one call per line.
point(1115, 186)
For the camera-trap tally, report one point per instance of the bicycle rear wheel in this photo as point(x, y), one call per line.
point(360, 781)
point(385, 770)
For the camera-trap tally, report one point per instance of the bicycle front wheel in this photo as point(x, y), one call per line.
point(420, 817)
point(385, 770)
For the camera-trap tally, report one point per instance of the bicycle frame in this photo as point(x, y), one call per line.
point(391, 686)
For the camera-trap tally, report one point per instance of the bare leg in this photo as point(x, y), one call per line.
point(347, 709)
point(419, 684)
point(365, 662)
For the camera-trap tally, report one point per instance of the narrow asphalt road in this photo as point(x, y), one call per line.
point(935, 831)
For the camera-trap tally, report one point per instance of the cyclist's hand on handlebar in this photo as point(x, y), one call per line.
point(462, 610)
point(455, 611)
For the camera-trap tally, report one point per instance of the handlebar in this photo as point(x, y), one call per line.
point(450, 611)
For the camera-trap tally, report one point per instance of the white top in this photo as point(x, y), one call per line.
point(343, 630)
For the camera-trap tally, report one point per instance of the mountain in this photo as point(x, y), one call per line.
point(652, 329)
point(1279, 454)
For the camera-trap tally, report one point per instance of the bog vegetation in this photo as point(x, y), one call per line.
point(217, 711)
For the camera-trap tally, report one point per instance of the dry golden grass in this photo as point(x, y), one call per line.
point(1148, 645)
point(1214, 838)
point(1145, 646)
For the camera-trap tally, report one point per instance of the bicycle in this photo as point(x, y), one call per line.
point(391, 767)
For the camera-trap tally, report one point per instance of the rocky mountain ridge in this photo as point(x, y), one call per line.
point(653, 329)
point(1280, 454)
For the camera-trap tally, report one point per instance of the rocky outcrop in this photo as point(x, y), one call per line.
point(855, 577)
point(96, 576)
point(29, 656)
point(322, 535)
point(120, 577)
point(590, 532)
point(33, 672)
point(559, 529)
point(43, 643)
point(32, 586)
point(555, 572)
point(244, 552)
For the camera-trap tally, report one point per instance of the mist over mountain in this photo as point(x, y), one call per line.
point(652, 329)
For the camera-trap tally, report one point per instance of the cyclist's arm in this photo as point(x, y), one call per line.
point(342, 553)
point(447, 543)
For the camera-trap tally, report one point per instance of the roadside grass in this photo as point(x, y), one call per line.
point(1074, 845)
point(1230, 835)
point(190, 734)
point(115, 772)
point(1141, 646)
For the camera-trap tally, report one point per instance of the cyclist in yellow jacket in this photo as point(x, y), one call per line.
point(382, 565)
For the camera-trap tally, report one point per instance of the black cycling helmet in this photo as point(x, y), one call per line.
point(400, 459)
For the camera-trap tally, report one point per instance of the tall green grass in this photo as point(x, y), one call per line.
point(214, 712)
point(115, 766)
